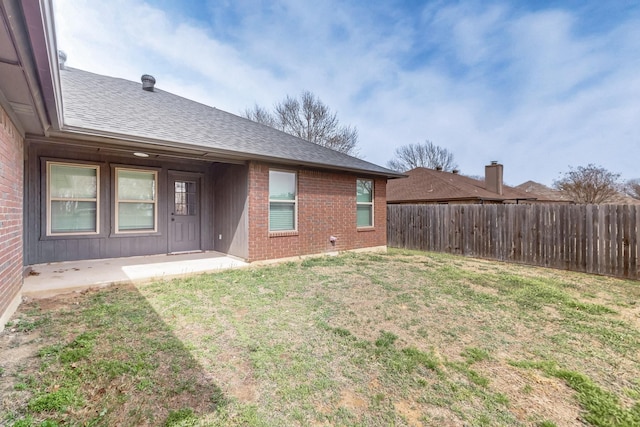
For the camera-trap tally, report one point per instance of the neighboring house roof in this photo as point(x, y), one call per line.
point(111, 107)
point(622, 199)
point(546, 194)
point(429, 185)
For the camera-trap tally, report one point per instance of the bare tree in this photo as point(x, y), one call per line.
point(308, 118)
point(632, 188)
point(260, 115)
point(589, 184)
point(427, 155)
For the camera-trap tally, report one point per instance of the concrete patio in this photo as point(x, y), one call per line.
point(47, 280)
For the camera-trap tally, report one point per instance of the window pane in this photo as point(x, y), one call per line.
point(72, 182)
point(185, 198)
point(365, 215)
point(282, 216)
point(282, 185)
point(364, 193)
point(73, 217)
point(135, 216)
point(136, 185)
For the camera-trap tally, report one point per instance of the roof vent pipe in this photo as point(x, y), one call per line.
point(62, 58)
point(148, 82)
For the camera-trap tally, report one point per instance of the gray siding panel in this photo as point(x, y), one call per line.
point(230, 209)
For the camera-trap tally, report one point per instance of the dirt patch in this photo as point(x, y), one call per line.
point(438, 416)
point(236, 378)
point(18, 347)
point(409, 412)
point(532, 396)
point(631, 314)
point(347, 399)
point(352, 401)
point(58, 302)
point(19, 359)
point(482, 289)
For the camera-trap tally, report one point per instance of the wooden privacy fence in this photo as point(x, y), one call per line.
point(600, 239)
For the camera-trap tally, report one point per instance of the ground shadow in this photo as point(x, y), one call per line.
point(100, 357)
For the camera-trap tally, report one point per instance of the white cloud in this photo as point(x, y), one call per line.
point(534, 90)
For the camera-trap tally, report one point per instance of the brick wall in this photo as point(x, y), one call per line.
point(11, 187)
point(326, 207)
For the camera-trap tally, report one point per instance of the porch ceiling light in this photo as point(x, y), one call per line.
point(140, 154)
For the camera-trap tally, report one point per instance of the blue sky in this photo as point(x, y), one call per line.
point(539, 86)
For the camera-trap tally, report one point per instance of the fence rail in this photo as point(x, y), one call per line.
point(600, 239)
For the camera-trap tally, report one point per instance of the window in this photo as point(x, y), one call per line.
point(136, 199)
point(364, 202)
point(282, 201)
point(72, 199)
point(184, 193)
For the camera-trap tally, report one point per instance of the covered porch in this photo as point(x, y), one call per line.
point(50, 279)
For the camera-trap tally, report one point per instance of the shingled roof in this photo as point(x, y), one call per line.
point(544, 193)
point(432, 186)
point(111, 107)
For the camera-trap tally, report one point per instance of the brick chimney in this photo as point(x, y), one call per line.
point(493, 177)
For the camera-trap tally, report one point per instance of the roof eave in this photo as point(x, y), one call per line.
point(506, 199)
point(41, 30)
point(438, 200)
point(31, 25)
point(459, 199)
point(200, 152)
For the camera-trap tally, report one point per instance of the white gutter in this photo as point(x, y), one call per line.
point(41, 28)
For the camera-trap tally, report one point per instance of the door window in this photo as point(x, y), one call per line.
point(185, 198)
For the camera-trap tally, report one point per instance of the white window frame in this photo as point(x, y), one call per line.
point(70, 199)
point(118, 201)
point(294, 202)
point(371, 203)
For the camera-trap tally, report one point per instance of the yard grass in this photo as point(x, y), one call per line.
point(402, 338)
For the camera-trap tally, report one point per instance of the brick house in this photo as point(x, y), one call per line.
point(431, 186)
point(96, 167)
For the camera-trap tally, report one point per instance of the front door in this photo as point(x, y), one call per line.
point(184, 212)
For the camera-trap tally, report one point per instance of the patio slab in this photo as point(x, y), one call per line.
point(47, 280)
